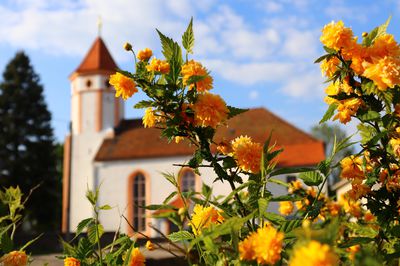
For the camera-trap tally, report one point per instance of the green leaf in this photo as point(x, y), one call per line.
point(180, 236)
point(274, 218)
point(143, 104)
point(31, 242)
point(155, 207)
point(206, 190)
point(330, 50)
point(188, 38)
point(369, 116)
point(83, 224)
point(105, 207)
point(228, 162)
point(366, 132)
point(356, 241)
point(288, 226)
point(94, 232)
point(329, 113)
point(284, 171)
point(6, 244)
point(322, 58)
point(233, 111)
point(170, 178)
point(170, 196)
point(91, 197)
point(378, 31)
point(168, 45)
point(313, 178)
point(262, 206)
point(286, 198)
point(237, 190)
point(279, 182)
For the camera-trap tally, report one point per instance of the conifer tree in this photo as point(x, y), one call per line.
point(27, 150)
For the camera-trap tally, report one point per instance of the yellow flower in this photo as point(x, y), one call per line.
point(204, 217)
point(314, 254)
point(337, 36)
point(347, 108)
point(334, 208)
point(264, 246)
point(14, 258)
point(69, 261)
point(358, 190)
point(150, 246)
point(209, 110)
point(136, 258)
point(123, 85)
point(329, 67)
point(145, 54)
point(149, 119)
point(247, 154)
point(369, 217)
point(350, 206)
point(395, 143)
point(384, 72)
point(193, 68)
point(178, 139)
point(295, 186)
point(286, 207)
point(352, 167)
point(353, 250)
point(384, 45)
point(158, 65)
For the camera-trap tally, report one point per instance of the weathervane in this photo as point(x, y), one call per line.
point(99, 25)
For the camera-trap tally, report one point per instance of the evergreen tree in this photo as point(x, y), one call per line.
point(27, 151)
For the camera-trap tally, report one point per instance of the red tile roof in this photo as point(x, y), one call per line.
point(97, 59)
point(133, 141)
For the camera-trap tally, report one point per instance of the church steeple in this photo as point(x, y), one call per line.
point(93, 105)
point(97, 60)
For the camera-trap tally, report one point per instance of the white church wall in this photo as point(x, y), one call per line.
point(88, 113)
point(108, 109)
point(113, 177)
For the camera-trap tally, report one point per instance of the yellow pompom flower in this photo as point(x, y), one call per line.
point(124, 86)
point(358, 190)
point(247, 154)
point(204, 217)
point(347, 108)
point(158, 65)
point(264, 246)
point(384, 72)
point(70, 261)
point(210, 110)
point(295, 186)
point(395, 143)
point(145, 54)
point(352, 167)
point(136, 258)
point(14, 258)
point(314, 254)
point(329, 67)
point(337, 36)
point(193, 68)
point(384, 45)
point(149, 119)
point(286, 207)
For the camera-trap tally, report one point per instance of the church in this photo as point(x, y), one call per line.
point(127, 160)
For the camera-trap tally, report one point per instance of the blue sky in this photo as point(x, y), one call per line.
point(260, 52)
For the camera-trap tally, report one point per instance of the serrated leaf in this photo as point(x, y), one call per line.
point(375, 33)
point(329, 113)
point(288, 226)
point(366, 132)
point(262, 206)
point(105, 207)
point(233, 111)
point(143, 104)
point(180, 236)
point(95, 232)
point(313, 178)
point(284, 171)
point(83, 224)
point(274, 218)
point(188, 38)
point(369, 116)
point(167, 45)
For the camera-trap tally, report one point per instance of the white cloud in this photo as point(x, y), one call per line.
point(253, 95)
point(304, 85)
point(273, 6)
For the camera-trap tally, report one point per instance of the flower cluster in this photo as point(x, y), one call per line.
point(263, 246)
point(14, 258)
point(314, 253)
point(204, 217)
point(70, 261)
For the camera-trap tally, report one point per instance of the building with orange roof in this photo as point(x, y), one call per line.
point(128, 160)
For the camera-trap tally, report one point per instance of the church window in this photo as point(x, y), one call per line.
point(139, 201)
point(88, 83)
point(188, 180)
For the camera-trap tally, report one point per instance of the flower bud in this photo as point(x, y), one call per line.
point(365, 34)
point(182, 211)
point(150, 246)
point(128, 46)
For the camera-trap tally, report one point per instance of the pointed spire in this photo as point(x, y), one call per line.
point(97, 60)
point(99, 25)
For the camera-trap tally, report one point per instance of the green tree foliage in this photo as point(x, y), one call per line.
point(27, 148)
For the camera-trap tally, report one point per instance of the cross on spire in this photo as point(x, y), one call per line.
point(99, 25)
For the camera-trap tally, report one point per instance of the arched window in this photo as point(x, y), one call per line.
point(187, 180)
point(137, 198)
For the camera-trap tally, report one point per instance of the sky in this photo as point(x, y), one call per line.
point(259, 52)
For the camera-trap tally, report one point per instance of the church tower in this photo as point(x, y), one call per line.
point(94, 113)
